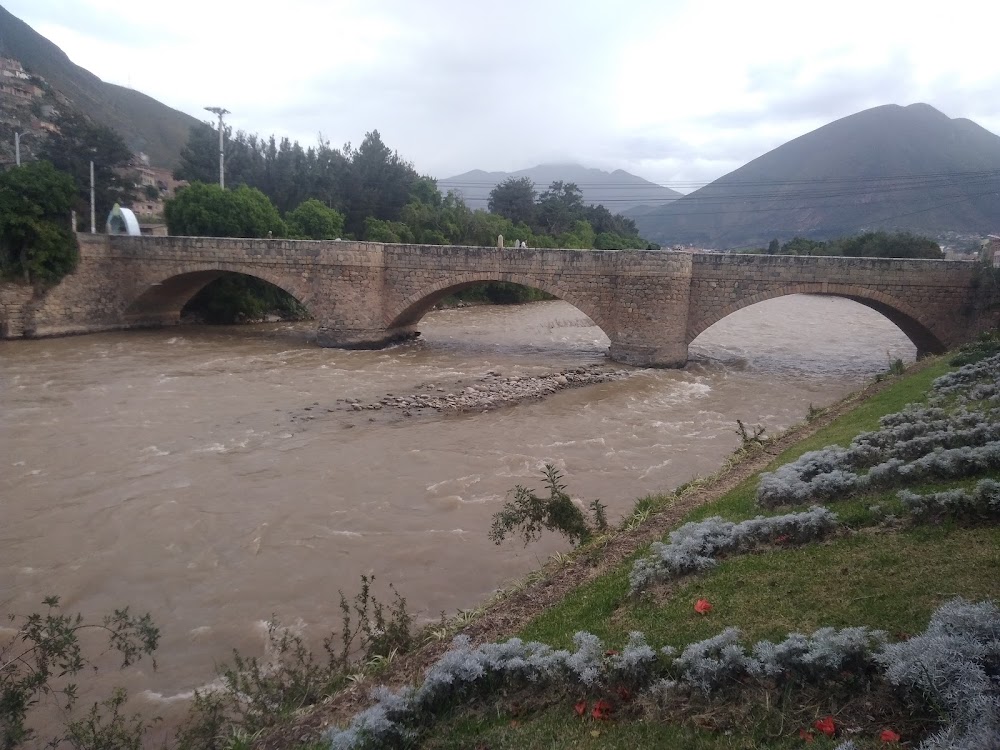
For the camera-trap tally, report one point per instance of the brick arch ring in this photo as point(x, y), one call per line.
point(898, 312)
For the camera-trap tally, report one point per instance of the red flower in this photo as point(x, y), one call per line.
point(602, 710)
point(826, 726)
point(702, 606)
point(806, 736)
point(624, 693)
point(781, 539)
point(889, 736)
point(580, 708)
point(611, 652)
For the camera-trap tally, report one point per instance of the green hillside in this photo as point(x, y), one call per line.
point(146, 124)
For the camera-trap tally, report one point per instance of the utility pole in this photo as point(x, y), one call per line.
point(222, 164)
point(93, 217)
point(17, 149)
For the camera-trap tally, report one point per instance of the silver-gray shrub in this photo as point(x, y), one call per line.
point(463, 672)
point(982, 502)
point(821, 656)
point(817, 658)
point(962, 379)
point(955, 666)
point(715, 662)
point(695, 545)
point(799, 482)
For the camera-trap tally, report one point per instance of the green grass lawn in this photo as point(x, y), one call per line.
point(870, 574)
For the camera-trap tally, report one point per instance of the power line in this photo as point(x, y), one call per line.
point(618, 185)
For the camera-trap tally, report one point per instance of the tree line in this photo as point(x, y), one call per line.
point(380, 197)
point(879, 244)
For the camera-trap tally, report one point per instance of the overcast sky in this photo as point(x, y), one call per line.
point(677, 92)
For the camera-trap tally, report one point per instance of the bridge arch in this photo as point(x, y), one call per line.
point(159, 302)
point(905, 317)
point(412, 308)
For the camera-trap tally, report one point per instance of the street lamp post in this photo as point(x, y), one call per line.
point(222, 173)
point(17, 148)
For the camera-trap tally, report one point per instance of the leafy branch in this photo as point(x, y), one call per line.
point(529, 514)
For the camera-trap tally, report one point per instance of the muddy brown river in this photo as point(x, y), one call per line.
point(213, 477)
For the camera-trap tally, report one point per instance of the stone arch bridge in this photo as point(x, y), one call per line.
point(650, 304)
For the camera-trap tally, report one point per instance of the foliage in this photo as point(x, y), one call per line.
point(45, 649)
point(258, 694)
point(378, 634)
point(76, 143)
point(915, 443)
point(981, 503)
point(106, 727)
point(987, 345)
point(35, 241)
point(867, 245)
point(851, 656)
point(207, 210)
point(499, 293)
point(696, 545)
point(530, 514)
point(750, 438)
point(382, 198)
point(312, 220)
point(237, 298)
point(955, 666)
point(514, 199)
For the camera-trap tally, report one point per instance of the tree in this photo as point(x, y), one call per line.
point(312, 220)
point(514, 199)
point(200, 155)
point(210, 211)
point(774, 247)
point(35, 241)
point(379, 182)
point(559, 207)
point(886, 245)
point(80, 141)
point(803, 246)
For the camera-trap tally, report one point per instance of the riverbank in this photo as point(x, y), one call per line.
point(584, 592)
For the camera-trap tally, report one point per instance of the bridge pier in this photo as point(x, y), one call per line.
point(332, 337)
point(671, 355)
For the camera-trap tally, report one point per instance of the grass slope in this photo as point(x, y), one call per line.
point(892, 579)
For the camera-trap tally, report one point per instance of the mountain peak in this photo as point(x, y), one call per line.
point(618, 191)
point(892, 167)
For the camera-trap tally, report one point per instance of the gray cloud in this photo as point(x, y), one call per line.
point(457, 85)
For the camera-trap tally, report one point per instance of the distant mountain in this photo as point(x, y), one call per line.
point(144, 123)
point(617, 191)
point(890, 167)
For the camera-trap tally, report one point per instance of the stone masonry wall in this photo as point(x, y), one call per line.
point(15, 302)
point(927, 299)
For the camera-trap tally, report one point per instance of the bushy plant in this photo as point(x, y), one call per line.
point(981, 503)
point(955, 667)
point(256, 694)
point(824, 655)
point(711, 664)
point(695, 545)
point(46, 649)
point(530, 514)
